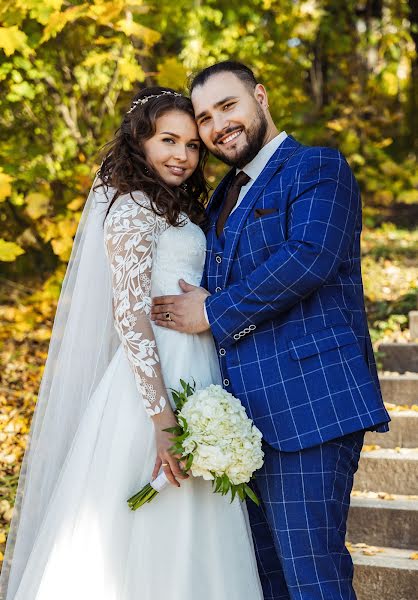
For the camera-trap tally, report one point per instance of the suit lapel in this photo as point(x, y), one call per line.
point(237, 219)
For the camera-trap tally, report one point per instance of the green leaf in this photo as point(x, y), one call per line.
point(251, 494)
point(225, 484)
point(241, 492)
point(189, 462)
point(183, 421)
point(173, 430)
point(218, 484)
point(182, 437)
point(176, 397)
point(176, 449)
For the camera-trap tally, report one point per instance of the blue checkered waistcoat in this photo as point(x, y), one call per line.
point(287, 308)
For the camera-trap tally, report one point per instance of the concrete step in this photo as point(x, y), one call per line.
point(389, 574)
point(388, 470)
point(403, 431)
point(399, 357)
point(399, 389)
point(413, 325)
point(384, 521)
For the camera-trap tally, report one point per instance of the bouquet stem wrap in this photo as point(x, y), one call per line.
point(149, 491)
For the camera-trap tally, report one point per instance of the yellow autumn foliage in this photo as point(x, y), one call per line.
point(12, 39)
point(36, 205)
point(5, 186)
point(9, 251)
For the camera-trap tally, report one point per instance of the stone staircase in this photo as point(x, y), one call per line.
point(383, 520)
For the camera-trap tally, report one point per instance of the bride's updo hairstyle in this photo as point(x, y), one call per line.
point(125, 169)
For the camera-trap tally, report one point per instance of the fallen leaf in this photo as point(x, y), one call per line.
point(386, 496)
point(371, 551)
point(370, 447)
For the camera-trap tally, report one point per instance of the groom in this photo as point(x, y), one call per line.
point(282, 294)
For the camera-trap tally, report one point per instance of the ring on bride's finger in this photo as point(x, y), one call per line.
point(168, 316)
point(164, 464)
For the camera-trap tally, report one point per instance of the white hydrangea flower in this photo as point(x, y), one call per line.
point(222, 439)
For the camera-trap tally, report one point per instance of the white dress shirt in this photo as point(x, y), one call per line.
point(253, 170)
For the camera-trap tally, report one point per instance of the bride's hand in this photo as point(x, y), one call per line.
point(164, 441)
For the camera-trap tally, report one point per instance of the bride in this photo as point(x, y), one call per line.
point(98, 431)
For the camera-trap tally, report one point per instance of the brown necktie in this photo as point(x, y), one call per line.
point(231, 199)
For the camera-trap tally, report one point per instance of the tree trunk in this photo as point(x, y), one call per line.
point(412, 123)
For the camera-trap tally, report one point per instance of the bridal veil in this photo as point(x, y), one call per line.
point(82, 344)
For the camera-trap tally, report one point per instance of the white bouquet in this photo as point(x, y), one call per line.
point(216, 440)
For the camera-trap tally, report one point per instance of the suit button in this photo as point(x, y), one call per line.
point(222, 351)
point(218, 289)
point(218, 259)
point(226, 382)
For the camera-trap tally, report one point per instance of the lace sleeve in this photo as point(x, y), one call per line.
point(131, 232)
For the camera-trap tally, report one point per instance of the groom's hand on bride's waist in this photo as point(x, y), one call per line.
point(183, 312)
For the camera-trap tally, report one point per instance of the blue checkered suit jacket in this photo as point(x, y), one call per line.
point(287, 308)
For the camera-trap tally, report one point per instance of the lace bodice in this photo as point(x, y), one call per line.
point(147, 257)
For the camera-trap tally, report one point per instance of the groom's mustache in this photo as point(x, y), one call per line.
point(227, 132)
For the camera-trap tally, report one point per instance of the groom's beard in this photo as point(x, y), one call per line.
point(255, 140)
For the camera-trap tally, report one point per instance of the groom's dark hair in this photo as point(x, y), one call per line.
point(241, 71)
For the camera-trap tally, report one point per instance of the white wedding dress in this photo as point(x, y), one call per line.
point(188, 543)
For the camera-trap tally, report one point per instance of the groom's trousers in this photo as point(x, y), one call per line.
point(299, 528)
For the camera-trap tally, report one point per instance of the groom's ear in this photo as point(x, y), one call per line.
point(260, 94)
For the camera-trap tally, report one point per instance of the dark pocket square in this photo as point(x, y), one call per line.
point(260, 212)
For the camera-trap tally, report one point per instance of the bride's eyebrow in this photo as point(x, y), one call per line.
point(177, 136)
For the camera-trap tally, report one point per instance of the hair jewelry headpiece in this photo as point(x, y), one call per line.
point(145, 99)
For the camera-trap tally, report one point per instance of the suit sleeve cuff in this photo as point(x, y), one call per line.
point(223, 325)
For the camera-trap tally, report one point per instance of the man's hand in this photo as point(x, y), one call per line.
point(186, 311)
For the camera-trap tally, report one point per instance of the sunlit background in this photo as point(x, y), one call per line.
point(341, 74)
